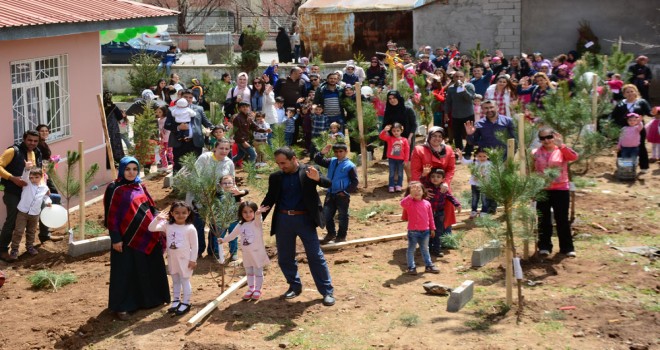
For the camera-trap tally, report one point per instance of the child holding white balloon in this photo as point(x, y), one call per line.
point(34, 194)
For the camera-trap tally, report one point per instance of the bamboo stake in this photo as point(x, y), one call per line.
point(213, 304)
point(508, 270)
point(522, 157)
point(106, 136)
point(363, 143)
point(620, 42)
point(394, 79)
point(81, 168)
point(594, 100)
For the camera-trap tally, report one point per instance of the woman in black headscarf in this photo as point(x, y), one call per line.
point(397, 112)
point(283, 44)
point(113, 115)
point(138, 279)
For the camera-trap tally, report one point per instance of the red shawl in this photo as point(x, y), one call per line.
point(130, 213)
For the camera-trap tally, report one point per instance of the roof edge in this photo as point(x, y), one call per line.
point(59, 29)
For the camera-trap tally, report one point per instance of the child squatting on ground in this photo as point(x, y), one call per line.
point(420, 226)
point(29, 207)
point(432, 179)
point(181, 251)
point(251, 237)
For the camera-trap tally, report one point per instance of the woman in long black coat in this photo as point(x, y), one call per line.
point(283, 44)
point(113, 115)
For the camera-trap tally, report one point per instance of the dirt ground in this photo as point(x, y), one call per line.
point(613, 295)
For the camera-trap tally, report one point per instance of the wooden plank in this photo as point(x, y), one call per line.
point(106, 136)
point(213, 304)
point(335, 246)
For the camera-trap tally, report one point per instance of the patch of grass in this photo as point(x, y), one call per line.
point(93, 228)
point(549, 327)
point(556, 315)
point(409, 319)
point(453, 240)
point(487, 315)
point(46, 279)
point(581, 182)
point(367, 213)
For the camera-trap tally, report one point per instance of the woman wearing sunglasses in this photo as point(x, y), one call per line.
point(553, 153)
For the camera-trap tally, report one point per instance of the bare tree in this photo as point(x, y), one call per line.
point(192, 12)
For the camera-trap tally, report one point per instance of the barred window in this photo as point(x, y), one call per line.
point(40, 95)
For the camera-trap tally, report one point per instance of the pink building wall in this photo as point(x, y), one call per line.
point(85, 82)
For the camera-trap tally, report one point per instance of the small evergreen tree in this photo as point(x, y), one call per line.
point(144, 72)
point(69, 186)
point(145, 131)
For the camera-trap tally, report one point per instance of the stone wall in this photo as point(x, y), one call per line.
point(496, 24)
point(115, 76)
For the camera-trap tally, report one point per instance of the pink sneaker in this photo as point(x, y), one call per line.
point(256, 295)
point(390, 189)
point(398, 188)
point(248, 294)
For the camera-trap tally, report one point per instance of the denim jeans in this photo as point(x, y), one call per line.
point(396, 169)
point(288, 138)
point(476, 197)
point(335, 203)
point(630, 152)
point(287, 228)
point(420, 238)
point(245, 152)
point(434, 243)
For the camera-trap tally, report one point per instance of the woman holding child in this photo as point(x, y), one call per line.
point(633, 103)
point(138, 279)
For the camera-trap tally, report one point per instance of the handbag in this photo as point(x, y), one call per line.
point(229, 106)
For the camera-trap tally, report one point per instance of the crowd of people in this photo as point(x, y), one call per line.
point(473, 103)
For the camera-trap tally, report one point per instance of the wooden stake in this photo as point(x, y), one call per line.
point(81, 168)
point(394, 79)
point(594, 101)
point(106, 135)
point(510, 147)
point(522, 157)
point(363, 143)
point(620, 42)
point(212, 305)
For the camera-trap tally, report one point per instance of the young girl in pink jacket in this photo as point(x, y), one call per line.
point(420, 226)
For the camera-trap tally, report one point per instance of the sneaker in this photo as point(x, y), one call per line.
point(544, 252)
point(465, 161)
point(13, 256)
point(398, 188)
point(32, 251)
point(473, 215)
point(234, 257)
point(327, 239)
point(256, 295)
point(390, 189)
point(432, 269)
point(412, 271)
point(571, 254)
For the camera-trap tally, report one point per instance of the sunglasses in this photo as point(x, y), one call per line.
point(549, 137)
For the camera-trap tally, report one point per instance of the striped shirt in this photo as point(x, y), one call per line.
point(331, 105)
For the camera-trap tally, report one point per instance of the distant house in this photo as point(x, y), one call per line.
point(50, 69)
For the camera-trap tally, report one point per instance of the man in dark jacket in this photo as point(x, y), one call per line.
point(12, 164)
point(195, 142)
point(293, 197)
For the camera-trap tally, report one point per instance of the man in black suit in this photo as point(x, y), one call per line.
point(193, 144)
point(298, 211)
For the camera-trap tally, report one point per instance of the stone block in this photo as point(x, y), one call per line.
point(92, 245)
point(485, 254)
point(489, 6)
point(506, 31)
point(460, 296)
point(167, 181)
point(505, 5)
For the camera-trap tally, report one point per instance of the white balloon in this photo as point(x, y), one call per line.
point(54, 216)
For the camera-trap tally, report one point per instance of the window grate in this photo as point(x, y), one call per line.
point(40, 95)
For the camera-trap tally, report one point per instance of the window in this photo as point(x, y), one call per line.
point(40, 95)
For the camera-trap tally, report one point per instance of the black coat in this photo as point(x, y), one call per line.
point(283, 44)
point(311, 199)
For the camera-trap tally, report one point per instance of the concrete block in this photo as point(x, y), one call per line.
point(460, 296)
point(505, 5)
point(508, 31)
point(485, 254)
point(506, 18)
point(167, 181)
point(87, 246)
point(489, 6)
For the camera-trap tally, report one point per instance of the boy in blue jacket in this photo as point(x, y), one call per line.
point(343, 175)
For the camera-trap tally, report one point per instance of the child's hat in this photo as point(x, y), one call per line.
point(182, 103)
point(632, 115)
point(243, 103)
